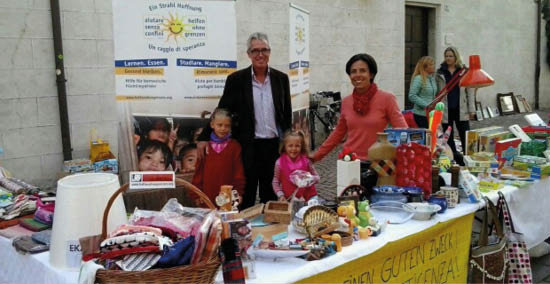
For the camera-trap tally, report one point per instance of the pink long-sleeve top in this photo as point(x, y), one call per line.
point(361, 129)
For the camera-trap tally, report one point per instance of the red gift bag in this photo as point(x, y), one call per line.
point(414, 167)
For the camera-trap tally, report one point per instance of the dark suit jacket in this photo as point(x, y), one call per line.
point(237, 98)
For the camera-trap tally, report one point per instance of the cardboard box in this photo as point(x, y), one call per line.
point(487, 141)
point(348, 173)
point(472, 138)
point(398, 136)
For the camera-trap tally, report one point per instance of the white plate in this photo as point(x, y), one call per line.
point(274, 253)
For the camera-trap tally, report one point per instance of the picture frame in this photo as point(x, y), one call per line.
point(485, 113)
point(527, 105)
point(496, 112)
point(479, 113)
point(506, 103)
point(519, 102)
point(490, 111)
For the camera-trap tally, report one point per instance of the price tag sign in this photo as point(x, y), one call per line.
point(149, 180)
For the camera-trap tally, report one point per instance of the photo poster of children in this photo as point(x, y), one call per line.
point(167, 143)
point(300, 121)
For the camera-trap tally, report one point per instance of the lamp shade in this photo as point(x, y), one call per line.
point(475, 77)
point(80, 202)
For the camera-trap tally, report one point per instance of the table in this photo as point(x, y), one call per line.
point(529, 209)
point(36, 268)
point(15, 268)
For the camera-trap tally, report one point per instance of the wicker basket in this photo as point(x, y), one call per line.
point(203, 272)
point(277, 211)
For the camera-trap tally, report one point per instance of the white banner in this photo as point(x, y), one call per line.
point(299, 56)
point(172, 57)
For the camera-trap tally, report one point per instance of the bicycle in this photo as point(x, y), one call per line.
point(325, 108)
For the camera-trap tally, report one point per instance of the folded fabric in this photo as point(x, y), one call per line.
point(134, 240)
point(43, 216)
point(87, 272)
point(5, 194)
point(23, 204)
point(119, 253)
point(33, 225)
point(126, 229)
point(178, 254)
point(138, 261)
point(25, 244)
point(28, 188)
point(15, 231)
point(11, 186)
point(42, 237)
point(214, 238)
point(49, 206)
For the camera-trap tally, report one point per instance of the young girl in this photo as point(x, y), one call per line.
point(294, 156)
point(153, 155)
point(187, 158)
point(222, 165)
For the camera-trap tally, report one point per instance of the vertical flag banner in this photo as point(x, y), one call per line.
point(172, 57)
point(299, 56)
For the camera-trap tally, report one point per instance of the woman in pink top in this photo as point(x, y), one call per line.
point(367, 111)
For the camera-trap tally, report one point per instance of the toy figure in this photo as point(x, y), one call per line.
point(364, 213)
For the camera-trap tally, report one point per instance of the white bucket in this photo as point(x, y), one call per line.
point(81, 200)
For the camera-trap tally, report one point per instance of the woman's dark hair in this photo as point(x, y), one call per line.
point(160, 123)
point(153, 145)
point(186, 149)
point(371, 63)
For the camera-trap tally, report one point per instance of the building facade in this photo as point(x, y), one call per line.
point(502, 32)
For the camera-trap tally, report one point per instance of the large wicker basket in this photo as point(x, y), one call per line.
point(203, 272)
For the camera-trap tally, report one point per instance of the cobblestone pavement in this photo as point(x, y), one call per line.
point(327, 186)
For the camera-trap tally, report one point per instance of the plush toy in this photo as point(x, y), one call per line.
point(364, 214)
point(435, 120)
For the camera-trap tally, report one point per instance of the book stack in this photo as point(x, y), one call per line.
point(473, 137)
point(506, 150)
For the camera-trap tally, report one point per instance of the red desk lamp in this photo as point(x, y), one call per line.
point(474, 77)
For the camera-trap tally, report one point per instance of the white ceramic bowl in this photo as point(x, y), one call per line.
point(423, 211)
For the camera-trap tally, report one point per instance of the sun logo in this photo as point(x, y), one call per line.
point(300, 34)
point(174, 27)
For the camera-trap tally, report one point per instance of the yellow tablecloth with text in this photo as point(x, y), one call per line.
point(436, 255)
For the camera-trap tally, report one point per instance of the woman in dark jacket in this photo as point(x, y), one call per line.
point(459, 103)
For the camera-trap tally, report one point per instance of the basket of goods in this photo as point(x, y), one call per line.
point(319, 220)
point(175, 245)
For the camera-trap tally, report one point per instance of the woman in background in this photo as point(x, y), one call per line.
point(459, 103)
point(423, 89)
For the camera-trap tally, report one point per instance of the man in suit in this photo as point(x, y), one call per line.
point(259, 99)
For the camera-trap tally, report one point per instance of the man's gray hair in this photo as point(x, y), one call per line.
point(257, 36)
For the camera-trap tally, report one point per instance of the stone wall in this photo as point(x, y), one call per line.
point(29, 113)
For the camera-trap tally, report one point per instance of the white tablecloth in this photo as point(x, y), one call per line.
point(18, 268)
point(528, 206)
point(530, 211)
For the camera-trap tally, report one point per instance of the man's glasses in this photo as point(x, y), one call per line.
point(256, 52)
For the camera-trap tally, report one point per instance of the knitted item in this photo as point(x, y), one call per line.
point(361, 101)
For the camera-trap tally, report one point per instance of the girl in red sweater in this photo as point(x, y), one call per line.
point(222, 164)
point(294, 156)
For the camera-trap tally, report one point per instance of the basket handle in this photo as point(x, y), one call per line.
point(179, 182)
point(189, 186)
